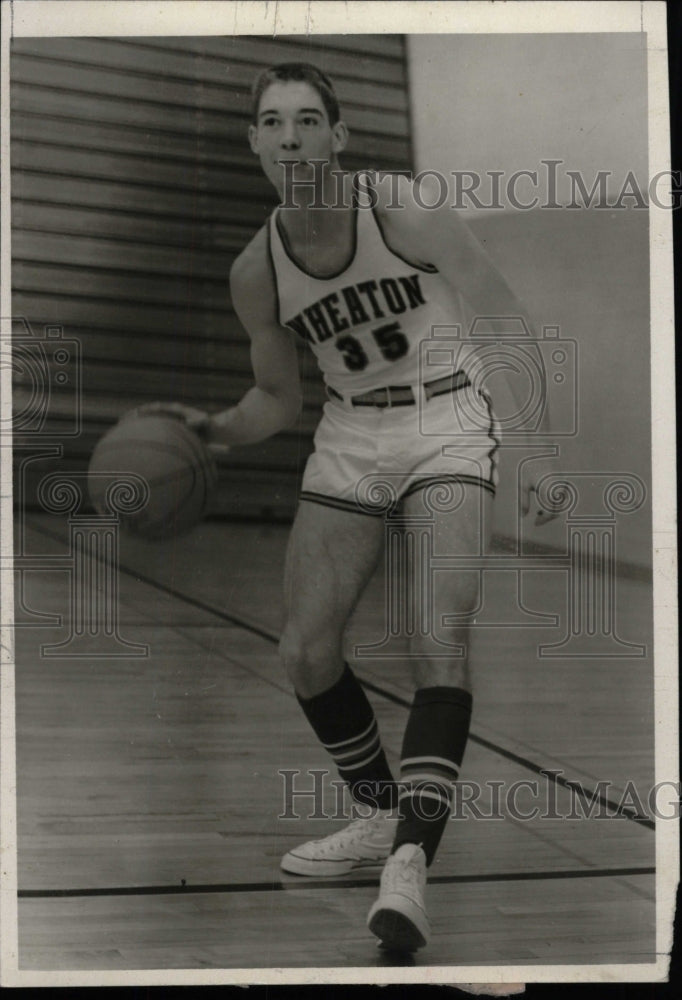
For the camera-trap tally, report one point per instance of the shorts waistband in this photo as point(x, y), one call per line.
point(403, 395)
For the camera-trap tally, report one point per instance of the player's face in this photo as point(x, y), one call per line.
point(292, 124)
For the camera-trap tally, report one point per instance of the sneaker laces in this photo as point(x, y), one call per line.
point(357, 830)
point(401, 875)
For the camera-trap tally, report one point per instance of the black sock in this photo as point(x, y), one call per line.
point(433, 748)
point(344, 722)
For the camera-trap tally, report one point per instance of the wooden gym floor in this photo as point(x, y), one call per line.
point(149, 791)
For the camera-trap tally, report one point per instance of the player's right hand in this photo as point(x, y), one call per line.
point(197, 420)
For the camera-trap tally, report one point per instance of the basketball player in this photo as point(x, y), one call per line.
point(364, 284)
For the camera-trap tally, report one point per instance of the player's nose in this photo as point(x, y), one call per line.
point(290, 138)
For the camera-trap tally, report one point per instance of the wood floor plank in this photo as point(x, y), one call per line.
point(150, 771)
point(533, 923)
point(175, 744)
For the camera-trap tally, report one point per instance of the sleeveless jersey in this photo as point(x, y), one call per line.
point(368, 323)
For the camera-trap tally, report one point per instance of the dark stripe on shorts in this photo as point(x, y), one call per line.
point(339, 504)
point(420, 484)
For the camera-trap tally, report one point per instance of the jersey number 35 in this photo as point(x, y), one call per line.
point(390, 340)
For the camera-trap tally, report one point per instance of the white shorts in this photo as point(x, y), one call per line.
point(368, 458)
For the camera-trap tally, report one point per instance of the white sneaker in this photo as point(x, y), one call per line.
point(398, 918)
point(362, 843)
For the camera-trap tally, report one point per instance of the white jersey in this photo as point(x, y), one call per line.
point(368, 322)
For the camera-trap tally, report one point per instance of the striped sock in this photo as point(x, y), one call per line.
point(433, 748)
point(344, 722)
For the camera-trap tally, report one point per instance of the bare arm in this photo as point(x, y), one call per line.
point(274, 402)
point(440, 237)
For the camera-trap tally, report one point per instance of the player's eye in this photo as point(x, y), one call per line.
point(270, 121)
point(310, 120)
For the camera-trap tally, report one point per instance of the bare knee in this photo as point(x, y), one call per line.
point(442, 670)
point(313, 661)
point(464, 597)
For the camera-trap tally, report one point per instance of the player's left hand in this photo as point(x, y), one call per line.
point(533, 473)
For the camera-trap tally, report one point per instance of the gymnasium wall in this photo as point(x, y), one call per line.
point(581, 99)
point(133, 190)
point(516, 99)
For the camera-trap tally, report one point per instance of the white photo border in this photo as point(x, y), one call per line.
point(55, 18)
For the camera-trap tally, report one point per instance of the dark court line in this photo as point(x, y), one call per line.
point(615, 808)
point(311, 883)
point(196, 603)
point(173, 592)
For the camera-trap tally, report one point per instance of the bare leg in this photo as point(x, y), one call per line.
point(462, 532)
point(331, 556)
point(330, 559)
point(437, 727)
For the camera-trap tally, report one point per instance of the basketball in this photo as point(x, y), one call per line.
point(154, 472)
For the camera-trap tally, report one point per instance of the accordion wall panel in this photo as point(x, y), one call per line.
point(133, 189)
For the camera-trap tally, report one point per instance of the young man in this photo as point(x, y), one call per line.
point(364, 284)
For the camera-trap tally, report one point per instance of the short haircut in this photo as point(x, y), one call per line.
point(297, 72)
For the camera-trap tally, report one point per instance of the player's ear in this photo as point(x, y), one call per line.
point(339, 137)
point(253, 138)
